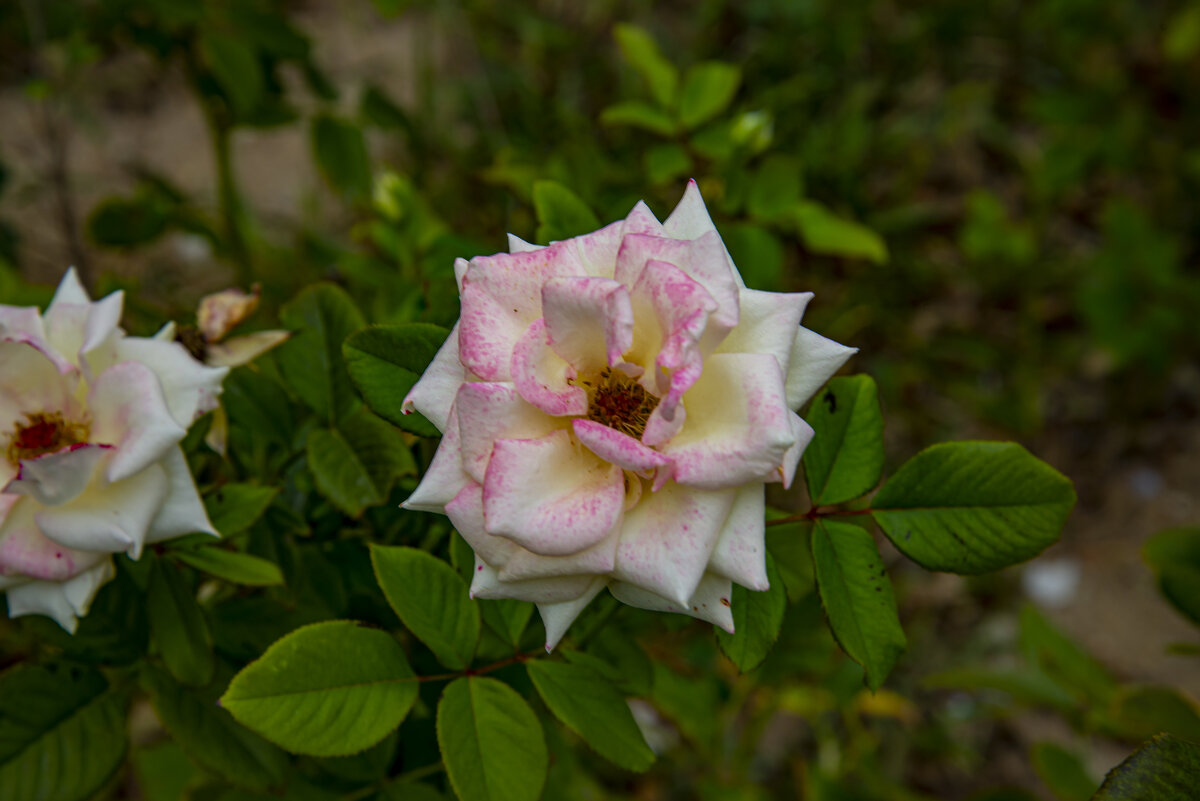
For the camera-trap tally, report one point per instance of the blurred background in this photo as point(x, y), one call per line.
point(994, 201)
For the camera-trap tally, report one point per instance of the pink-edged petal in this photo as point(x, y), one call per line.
point(741, 552)
point(549, 496)
point(445, 477)
point(709, 602)
point(65, 601)
point(31, 383)
point(433, 395)
point(595, 253)
point(558, 617)
point(57, 478)
point(598, 559)
point(667, 539)
point(618, 448)
point(182, 511)
point(108, 518)
point(518, 245)
point(129, 411)
point(25, 551)
point(21, 322)
point(487, 585)
point(738, 427)
point(660, 429)
point(488, 331)
point(490, 411)
point(589, 320)
point(544, 378)
point(190, 387)
point(641, 221)
point(814, 360)
point(244, 349)
point(466, 515)
point(803, 433)
point(768, 324)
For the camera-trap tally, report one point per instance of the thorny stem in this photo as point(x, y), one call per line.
point(815, 513)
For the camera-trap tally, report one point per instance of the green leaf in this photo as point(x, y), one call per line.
point(776, 187)
point(1141, 711)
point(320, 317)
point(845, 458)
point(234, 507)
point(666, 163)
point(385, 362)
point(639, 114)
point(641, 52)
point(972, 507)
point(506, 617)
point(492, 744)
point(560, 212)
point(857, 596)
point(62, 733)
point(757, 618)
point(234, 566)
point(341, 154)
point(235, 66)
point(591, 706)
point(1181, 41)
point(127, 222)
point(1163, 769)
point(1063, 772)
point(211, 737)
point(708, 89)
point(757, 252)
point(355, 464)
point(328, 689)
point(431, 599)
point(829, 235)
point(1063, 660)
point(790, 547)
point(178, 626)
point(1174, 555)
point(1028, 686)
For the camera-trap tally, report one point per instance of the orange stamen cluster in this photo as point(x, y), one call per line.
point(619, 402)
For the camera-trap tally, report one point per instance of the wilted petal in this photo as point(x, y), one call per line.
point(589, 320)
point(558, 617)
point(738, 427)
point(544, 378)
point(433, 395)
point(489, 411)
point(710, 601)
point(221, 312)
point(487, 585)
point(130, 412)
point(189, 387)
point(667, 539)
point(445, 477)
point(57, 478)
point(741, 553)
point(814, 361)
point(549, 497)
point(62, 601)
point(244, 349)
point(108, 517)
point(182, 511)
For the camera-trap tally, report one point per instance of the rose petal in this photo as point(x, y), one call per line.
point(738, 428)
point(466, 515)
point(445, 477)
point(618, 448)
point(598, 559)
point(814, 360)
point(62, 601)
point(182, 511)
point(741, 553)
point(108, 518)
point(486, 584)
point(690, 217)
point(549, 496)
point(26, 551)
point(70, 291)
point(189, 387)
point(589, 320)
point(518, 245)
point(704, 260)
point(641, 220)
point(490, 411)
point(544, 378)
point(244, 349)
point(558, 617)
point(667, 538)
point(767, 324)
point(710, 601)
point(129, 411)
point(31, 383)
point(433, 395)
point(595, 253)
point(57, 478)
point(803, 433)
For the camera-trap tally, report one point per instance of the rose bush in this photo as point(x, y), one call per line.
point(611, 407)
point(90, 425)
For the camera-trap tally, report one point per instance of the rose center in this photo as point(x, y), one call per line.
point(42, 433)
point(193, 340)
point(619, 402)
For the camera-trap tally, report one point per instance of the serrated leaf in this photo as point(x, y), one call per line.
point(491, 742)
point(177, 625)
point(708, 89)
point(757, 618)
point(385, 361)
point(355, 464)
point(1063, 772)
point(560, 212)
point(320, 318)
point(591, 706)
point(62, 732)
point(341, 154)
point(845, 458)
point(234, 507)
point(508, 618)
point(639, 114)
point(1163, 769)
point(858, 599)
point(211, 737)
point(830, 235)
point(972, 507)
point(432, 601)
point(234, 566)
point(641, 52)
point(328, 689)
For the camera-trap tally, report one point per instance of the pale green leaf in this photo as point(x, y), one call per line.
point(829, 235)
point(234, 566)
point(708, 89)
point(641, 52)
point(639, 114)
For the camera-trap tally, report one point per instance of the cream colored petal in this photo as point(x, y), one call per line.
point(433, 395)
point(558, 617)
point(710, 602)
point(814, 360)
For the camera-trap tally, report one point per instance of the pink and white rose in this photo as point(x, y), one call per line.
point(611, 408)
point(90, 463)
